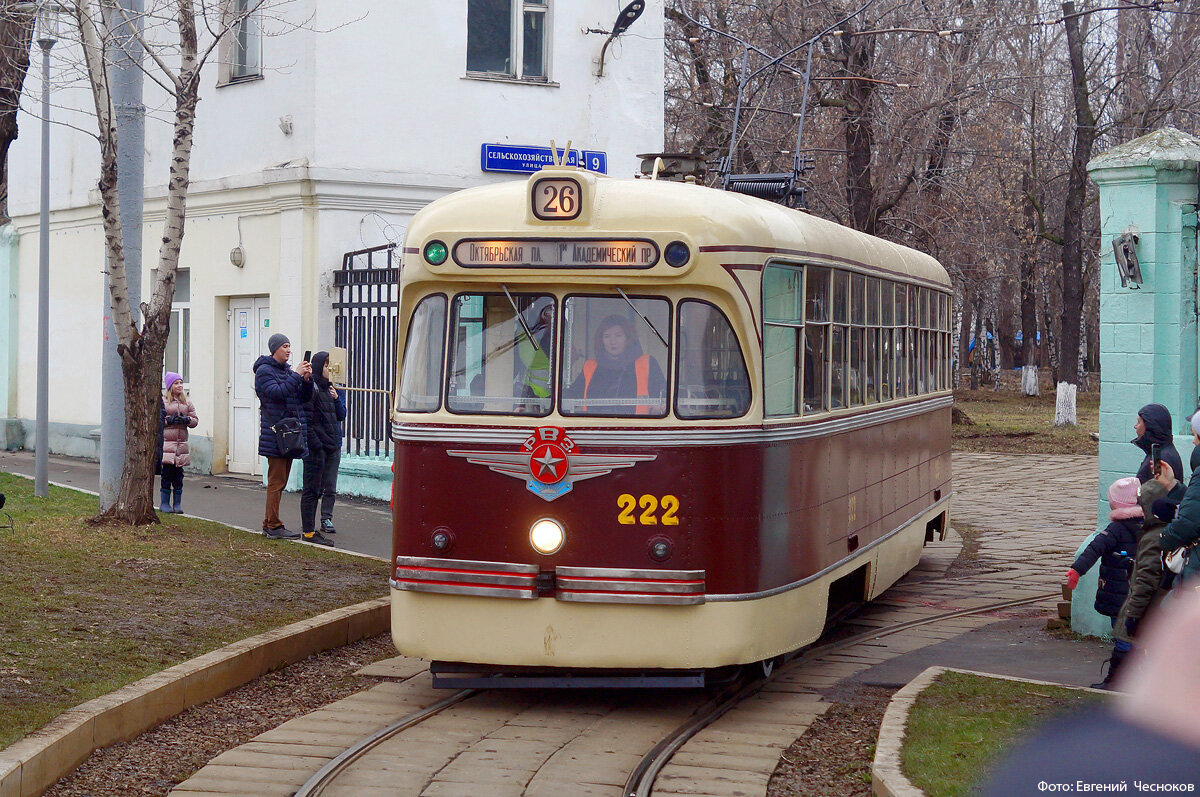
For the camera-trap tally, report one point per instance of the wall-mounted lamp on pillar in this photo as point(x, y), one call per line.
point(237, 256)
point(1125, 248)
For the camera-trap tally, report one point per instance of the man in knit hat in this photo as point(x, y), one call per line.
point(282, 393)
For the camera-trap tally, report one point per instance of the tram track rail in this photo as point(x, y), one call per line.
point(640, 782)
point(326, 775)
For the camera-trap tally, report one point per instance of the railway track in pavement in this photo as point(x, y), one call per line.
point(363, 766)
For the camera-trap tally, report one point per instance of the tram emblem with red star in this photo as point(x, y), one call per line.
point(550, 463)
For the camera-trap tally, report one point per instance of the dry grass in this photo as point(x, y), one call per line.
point(1005, 421)
point(85, 610)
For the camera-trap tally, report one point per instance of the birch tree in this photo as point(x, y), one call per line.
point(179, 40)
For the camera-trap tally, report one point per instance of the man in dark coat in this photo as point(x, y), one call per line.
point(282, 393)
point(1153, 425)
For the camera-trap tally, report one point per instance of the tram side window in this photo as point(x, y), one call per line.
point(839, 341)
point(887, 375)
point(856, 367)
point(816, 336)
point(900, 339)
point(783, 314)
point(614, 356)
point(713, 382)
point(501, 354)
point(421, 374)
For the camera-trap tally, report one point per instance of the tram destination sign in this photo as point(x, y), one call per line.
point(572, 253)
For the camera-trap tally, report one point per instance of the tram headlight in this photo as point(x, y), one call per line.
point(660, 548)
point(677, 254)
point(435, 253)
point(546, 536)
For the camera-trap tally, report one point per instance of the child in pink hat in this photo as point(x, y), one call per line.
point(1115, 548)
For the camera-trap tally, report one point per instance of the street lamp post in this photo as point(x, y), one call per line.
point(47, 36)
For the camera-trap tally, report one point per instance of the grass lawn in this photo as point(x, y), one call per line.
point(961, 723)
point(85, 610)
point(1008, 422)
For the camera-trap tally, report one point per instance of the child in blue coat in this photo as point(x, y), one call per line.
point(1115, 548)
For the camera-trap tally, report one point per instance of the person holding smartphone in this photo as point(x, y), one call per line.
point(1153, 427)
point(282, 393)
point(324, 416)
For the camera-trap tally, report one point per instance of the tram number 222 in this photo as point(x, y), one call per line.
point(649, 506)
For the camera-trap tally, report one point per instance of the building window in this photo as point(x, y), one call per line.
point(507, 38)
point(242, 46)
point(177, 357)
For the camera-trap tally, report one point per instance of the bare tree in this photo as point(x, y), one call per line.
point(16, 37)
point(195, 37)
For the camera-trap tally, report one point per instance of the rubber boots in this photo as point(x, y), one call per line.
point(177, 496)
point(165, 501)
point(1114, 667)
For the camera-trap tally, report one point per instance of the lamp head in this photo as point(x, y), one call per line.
point(628, 16)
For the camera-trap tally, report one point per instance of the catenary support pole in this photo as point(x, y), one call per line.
point(42, 420)
point(126, 79)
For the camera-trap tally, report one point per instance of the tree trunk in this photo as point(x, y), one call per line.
point(142, 351)
point(1028, 280)
point(859, 132)
point(1072, 249)
point(16, 37)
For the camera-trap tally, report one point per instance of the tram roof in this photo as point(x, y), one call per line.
point(710, 217)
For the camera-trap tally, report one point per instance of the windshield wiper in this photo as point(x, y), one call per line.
point(525, 326)
point(640, 314)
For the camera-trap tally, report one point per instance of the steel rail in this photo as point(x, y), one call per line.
point(641, 780)
point(327, 774)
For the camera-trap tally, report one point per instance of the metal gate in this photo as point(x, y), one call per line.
point(365, 317)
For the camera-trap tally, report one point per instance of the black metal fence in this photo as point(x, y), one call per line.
point(365, 317)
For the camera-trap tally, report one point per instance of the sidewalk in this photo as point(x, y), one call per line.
point(364, 526)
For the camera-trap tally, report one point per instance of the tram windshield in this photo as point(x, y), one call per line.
point(421, 377)
point(614, 360)
point(501, 353)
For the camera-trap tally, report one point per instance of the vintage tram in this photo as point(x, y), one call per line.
point(646, 426)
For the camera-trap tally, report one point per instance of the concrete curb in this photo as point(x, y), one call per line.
point(36, 762)
point(887, 777)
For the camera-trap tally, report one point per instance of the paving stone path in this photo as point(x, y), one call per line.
point(1020, 523)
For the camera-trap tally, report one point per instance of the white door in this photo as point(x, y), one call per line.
point(249, 330)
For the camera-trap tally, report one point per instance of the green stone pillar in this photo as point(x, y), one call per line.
point(1148, 350)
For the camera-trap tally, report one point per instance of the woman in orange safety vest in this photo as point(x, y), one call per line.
point(619, 369)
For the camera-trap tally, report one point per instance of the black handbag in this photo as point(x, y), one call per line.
point(289, 437)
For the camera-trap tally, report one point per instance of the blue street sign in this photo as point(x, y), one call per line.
point(518, 159)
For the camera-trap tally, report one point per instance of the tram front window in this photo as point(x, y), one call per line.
point(713, 382)
point(421, 377)
point(501, 354)
point(614, 356)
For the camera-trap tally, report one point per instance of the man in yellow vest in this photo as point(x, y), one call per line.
point(537, 358)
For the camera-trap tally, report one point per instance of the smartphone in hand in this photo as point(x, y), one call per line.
point(307, 356)
point(1155, 458)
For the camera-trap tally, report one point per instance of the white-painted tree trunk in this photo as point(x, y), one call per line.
point(1029, 381)
point(1064, 405)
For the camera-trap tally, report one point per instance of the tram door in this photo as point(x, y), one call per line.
point(249, 330)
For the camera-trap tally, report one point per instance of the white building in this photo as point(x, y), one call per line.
point(312, 143)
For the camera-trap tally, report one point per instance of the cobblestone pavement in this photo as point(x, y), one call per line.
point(1025, 519)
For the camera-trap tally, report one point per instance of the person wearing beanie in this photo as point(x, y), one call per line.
point(179, 415)
point(324, 417)
point(282, 393)
point(1184, 528)
point(1114, 547)
point(1153, 425)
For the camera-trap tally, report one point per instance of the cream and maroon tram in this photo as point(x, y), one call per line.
point(645, 425)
